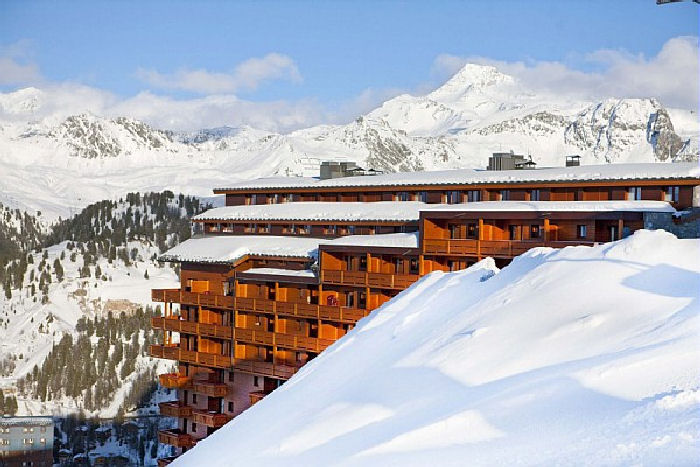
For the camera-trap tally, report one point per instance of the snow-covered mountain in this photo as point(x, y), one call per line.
point(60, 163)
point(486, 367)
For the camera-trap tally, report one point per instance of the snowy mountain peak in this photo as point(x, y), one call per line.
point(24, 101)
point(472, 78)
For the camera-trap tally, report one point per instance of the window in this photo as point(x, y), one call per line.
point(403, 196)
point(473, 195)
point(534, 195)
point(194, 400)
point(350, 299)
point(274, 199)
point(255, 380)
point(230, 406)
point(194, 427)
point(472, 230)
point(455, 231)
point(634, 193)
point(581, 231)
point(330, 230)
point(42, 440)
point(305, 230)
point(28, 440)
point(422, 196)
point(514, 232)
point(265, 228)
point(351, 230)
point(505, 195)
point(363, 263)
point(230, 376)
point(4, 441)
point(535, 231)
point(454, 197)
point(671, 194)
point(413, 266)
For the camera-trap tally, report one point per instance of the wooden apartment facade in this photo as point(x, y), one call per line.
point(247, 325)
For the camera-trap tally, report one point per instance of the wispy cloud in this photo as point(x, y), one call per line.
point(248, 75)
point(671, 75)
point(16, 66)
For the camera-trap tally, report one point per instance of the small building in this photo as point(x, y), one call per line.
point(509, 161)
point(26, 441)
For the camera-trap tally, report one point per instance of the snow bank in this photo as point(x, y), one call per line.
point(574, 356)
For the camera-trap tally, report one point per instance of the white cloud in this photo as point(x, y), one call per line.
point(16, 67)
point(671, 75)
point(248, 75)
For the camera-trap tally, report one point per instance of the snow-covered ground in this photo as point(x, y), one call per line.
point(579, 356)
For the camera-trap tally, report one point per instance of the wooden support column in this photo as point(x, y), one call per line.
point(546, 229)
point(478, 239)
point(421, 266)
point(619, 229)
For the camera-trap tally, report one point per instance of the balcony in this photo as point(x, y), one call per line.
point(176, 324)
point(256, 396)
point(279, 339)
point(175, 409)
point(265, 368)
point(192, 298)
point(176, 438)
point(495, 248)
point(369, 279)
point(174, 381)
point(170, 351)
point(209, 418)
point(174, 352)
point(210, 389)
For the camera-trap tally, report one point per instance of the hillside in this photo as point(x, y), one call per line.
point(93, 271)
point(60, 165)
point(461, 366)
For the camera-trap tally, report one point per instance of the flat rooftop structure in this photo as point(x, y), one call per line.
point(584, 173)
point(318, 211)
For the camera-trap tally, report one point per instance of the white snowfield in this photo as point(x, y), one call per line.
point(579, 356)
point(641, 171)
point(319, 211)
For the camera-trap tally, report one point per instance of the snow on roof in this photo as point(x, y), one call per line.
point(557, 206)
point(229, 249)
point(498, 369)
point(469, 176)
point(403, 240)
point(280, 272)
point(26, 421)
point(319, 211)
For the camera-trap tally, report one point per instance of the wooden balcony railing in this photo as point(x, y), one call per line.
point(175, 409)
point(174, 381)
point(369, 279)
point(176, 438)
point(265, 368)
point(210, 389)
point(261, 305)
point(256, 396)
point(260, 337)
point(497, 248)
point(174, 352)
point(210, 419)
point(176, 324)
point(191, 298)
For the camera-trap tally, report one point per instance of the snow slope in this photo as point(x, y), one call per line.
point(584, 356)
point(59, 163)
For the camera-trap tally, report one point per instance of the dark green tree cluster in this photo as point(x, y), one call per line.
point(20, 233)
point(95, 363)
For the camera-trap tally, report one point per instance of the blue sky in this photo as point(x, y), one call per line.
point(326, 52)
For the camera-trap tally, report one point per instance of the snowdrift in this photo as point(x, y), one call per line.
point(574, 356)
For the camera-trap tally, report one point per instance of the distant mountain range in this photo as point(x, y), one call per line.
point(57, 167)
